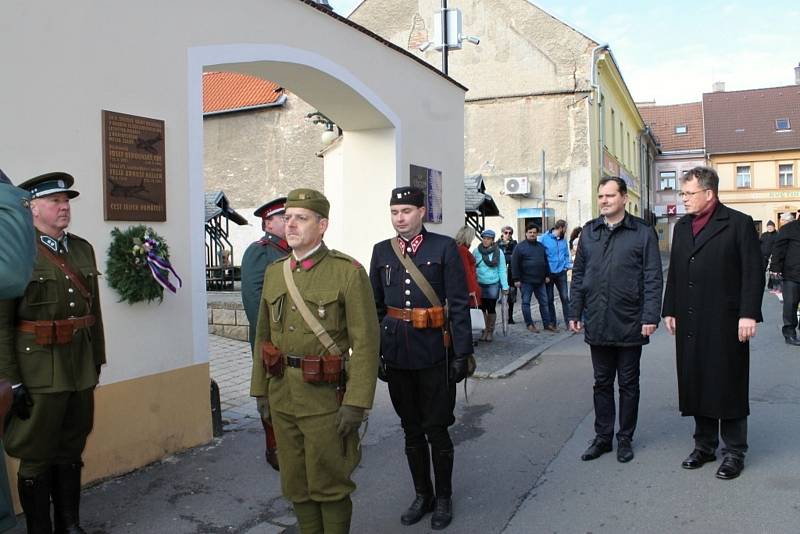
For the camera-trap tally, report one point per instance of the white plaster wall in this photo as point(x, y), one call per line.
point(65, 62)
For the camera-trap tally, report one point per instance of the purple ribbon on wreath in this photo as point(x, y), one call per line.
point(158, 265)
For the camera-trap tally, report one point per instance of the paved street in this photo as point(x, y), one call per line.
point(518, 442)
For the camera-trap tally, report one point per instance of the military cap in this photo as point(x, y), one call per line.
point(310, 199)
point(488, 233)
point(50, 184)
point(273, 207)
point(407, 195)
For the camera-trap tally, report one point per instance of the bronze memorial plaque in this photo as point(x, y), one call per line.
point(133, 168)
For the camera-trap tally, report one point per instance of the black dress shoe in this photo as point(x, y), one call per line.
point(624, 450)
point(792, 340)
point(442, 513)
point(697, 459)
point(422, 505)
point(596, 449)
point(731, 468)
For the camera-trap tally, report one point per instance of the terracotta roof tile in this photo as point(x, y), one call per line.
point(663, 120)
point(228, 91)
point(744, 121)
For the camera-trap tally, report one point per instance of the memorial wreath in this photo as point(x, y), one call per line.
point(138, 265)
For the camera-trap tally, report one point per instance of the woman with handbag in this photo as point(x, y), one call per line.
point(492, 278)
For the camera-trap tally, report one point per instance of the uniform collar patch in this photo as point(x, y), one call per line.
point(53, 244)
point(410, 246)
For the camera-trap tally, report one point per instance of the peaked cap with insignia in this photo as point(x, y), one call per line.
point(50, 184)
point(310, 199)
point(273, 207)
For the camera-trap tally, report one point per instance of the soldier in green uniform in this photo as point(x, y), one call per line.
point(17, 250)
point(51, 350)
point(256, 258)
point(317, 434)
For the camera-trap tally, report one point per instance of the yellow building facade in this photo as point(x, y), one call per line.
point(764, 185)
point(619, 149)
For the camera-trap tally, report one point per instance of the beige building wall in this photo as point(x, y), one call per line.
point(766, 199)
point(528, 81)
point(257, 155)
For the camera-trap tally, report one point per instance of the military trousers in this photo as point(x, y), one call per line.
point(55, 433)
point(316, 464)
point(424, 399)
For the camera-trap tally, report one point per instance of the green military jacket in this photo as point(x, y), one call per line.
point(254, 262)
point(50, 296)
point(17, 247)
point(337, 290)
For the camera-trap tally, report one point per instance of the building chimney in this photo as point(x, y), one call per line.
point(797, 74)
point(718, 87)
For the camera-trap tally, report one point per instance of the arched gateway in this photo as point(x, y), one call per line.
point(66, 62)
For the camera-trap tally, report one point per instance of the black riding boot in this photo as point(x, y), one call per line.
point(420, 464)
point(443, 471)
point(67, 498)
point(34, 494)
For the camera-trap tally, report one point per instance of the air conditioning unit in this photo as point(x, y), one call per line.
point(516, 186)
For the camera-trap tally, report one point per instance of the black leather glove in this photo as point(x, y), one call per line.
point(458, 369)
point(383, 375)
point(22, 403)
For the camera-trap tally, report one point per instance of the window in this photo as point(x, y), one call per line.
point(783, 124)
point(667, 180)
point(743, 178)
point(681, 129)
point(786, 175)
point(613, 132)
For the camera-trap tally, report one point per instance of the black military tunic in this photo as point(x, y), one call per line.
point(402, 345)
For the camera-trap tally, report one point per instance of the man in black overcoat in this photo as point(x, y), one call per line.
point(711, 305)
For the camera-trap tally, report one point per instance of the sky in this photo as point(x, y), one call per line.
point(673, 51)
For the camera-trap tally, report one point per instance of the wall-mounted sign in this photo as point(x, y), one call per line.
point(133, 168)
point(430, 181)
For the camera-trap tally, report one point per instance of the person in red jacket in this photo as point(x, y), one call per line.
point(464, 239)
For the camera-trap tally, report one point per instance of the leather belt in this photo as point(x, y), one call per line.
point(294, 361)
point(29, 327)
point(404, 314)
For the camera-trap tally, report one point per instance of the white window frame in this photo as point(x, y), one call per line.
point(780, 128)
point(786, 177)
point(673, 179)
point(740, 177)
point(680, 127)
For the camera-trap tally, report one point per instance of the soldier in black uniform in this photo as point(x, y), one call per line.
point(422, 373)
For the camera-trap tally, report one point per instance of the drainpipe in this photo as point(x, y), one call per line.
point(596, 89)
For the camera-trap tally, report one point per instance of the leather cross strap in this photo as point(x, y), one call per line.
point(319, 331)
point(62, 265)
point(415, 273)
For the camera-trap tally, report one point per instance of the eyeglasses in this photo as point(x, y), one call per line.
point(690, 194)
point(507, 232)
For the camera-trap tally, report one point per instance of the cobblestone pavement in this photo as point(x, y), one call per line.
point(510, 351)
point(230, 362)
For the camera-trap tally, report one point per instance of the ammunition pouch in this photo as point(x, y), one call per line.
point(322, 369)
point(272, 357)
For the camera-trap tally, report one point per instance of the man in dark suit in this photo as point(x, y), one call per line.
point(422, 371)
point(786, 262)
point(711, 305)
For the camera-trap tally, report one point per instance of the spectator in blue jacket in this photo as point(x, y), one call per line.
point(492, 277)
point(530, 271)
point(560, 262)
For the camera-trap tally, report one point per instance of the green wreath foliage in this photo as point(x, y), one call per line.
point(127, 271)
